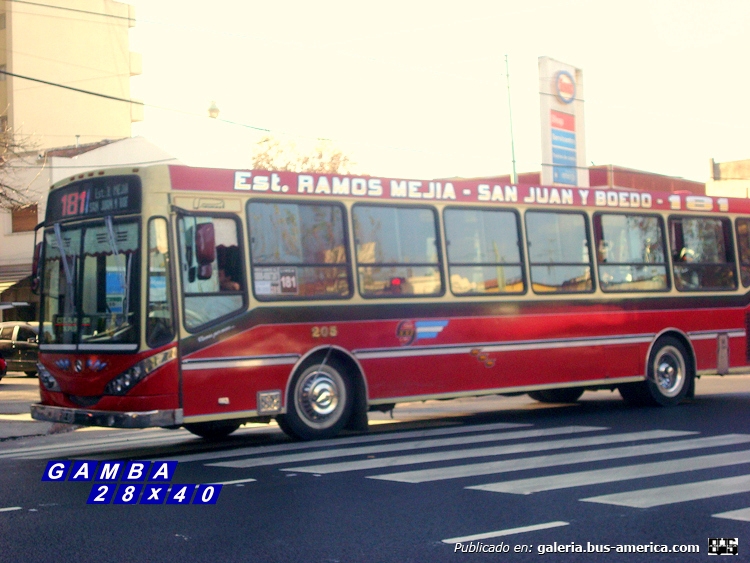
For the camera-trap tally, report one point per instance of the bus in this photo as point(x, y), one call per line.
point(175, 296)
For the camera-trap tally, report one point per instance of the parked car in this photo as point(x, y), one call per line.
point(19, 346)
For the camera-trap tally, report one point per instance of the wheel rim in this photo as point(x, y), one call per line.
point(320, 395)
point(669, 371)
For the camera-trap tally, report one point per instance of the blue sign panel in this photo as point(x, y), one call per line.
point(564, 157)
point(565, 175)
point(565, 139)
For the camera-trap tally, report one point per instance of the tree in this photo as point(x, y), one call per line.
point(15, 151)
point(272, 153)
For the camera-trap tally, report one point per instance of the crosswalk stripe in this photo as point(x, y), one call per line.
point(743, 515)
point(235, 482)
point(508, 532)
point(659, 496)
point(368, 438)
point(613, 474)
point(404, 446)
point(525, 447)
point(130, 439)
point(473, 470)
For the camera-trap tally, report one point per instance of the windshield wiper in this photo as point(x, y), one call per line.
point(69, 288)
point(123, 276)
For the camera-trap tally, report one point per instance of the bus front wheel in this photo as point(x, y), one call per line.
point(669, 378)
point(319, 403)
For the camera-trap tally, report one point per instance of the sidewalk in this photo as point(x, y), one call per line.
point(17, 394)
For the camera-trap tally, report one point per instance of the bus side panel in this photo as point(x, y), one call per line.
point(469, 372)
point(229, 389)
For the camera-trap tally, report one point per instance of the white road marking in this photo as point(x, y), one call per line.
point(613, 474)
point(473, 470)
point(508, 532)
point(743, 515)
point(525, 447)
point(659, 496)
point(403, 446)
point(236, 482)
point(385, 437)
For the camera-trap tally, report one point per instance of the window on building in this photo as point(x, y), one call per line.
point(559, 253)
point(630, 252)
point(24, 219)
point(483, 251)
point(702, 253)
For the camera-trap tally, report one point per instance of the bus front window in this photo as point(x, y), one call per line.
point(91, 287)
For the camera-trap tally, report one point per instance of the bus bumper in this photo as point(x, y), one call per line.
point(110, 419)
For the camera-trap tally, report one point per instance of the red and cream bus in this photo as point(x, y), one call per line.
point(204, 298)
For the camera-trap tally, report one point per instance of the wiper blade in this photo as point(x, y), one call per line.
point(69, 303)
point(116, 252)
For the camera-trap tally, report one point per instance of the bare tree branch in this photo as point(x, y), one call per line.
point(275, 154)
point(15, 150)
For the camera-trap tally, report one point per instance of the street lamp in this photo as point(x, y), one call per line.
point(213, 110)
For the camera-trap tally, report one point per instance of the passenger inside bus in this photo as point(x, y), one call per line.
point(228, 263)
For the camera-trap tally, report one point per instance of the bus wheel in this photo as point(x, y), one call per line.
point(669, 379)
point(566, 395)
point(319, 403)
point(213, 430)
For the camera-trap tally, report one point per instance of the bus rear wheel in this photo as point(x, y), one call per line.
point(319, 403)
point(566, 395)
point(213, 430)
point(669, 378)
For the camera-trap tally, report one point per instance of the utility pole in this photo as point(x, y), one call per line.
point(513, 177)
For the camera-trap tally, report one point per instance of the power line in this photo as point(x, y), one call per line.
point(57, 85)
point(40, 5)
point(118, 99)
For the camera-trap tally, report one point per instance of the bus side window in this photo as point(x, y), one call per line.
point(483, 251)
point(743, 243)
point(558, 252)
point(703, 254)
point(211, 265)
point(298, 251)
point(397, 252)
point(630, 252)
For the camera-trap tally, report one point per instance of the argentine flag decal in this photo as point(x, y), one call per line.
point(429, 329)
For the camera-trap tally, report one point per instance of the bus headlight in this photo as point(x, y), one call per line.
point(47, 379)
point(124, 382)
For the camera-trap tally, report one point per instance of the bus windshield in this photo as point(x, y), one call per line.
point(90, 283)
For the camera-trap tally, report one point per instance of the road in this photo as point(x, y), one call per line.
point(438, 482)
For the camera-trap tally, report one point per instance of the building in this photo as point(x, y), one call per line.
point(729, 179)
point(610, 176)
point(17, 227)
point(56, 54)
point(59, 46)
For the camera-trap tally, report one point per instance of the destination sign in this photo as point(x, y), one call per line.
point(108, 195)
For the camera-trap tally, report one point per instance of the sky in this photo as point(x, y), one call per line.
point(418, 89)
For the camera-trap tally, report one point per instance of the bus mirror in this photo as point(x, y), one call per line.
point(205, 245)
point(35, 277)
